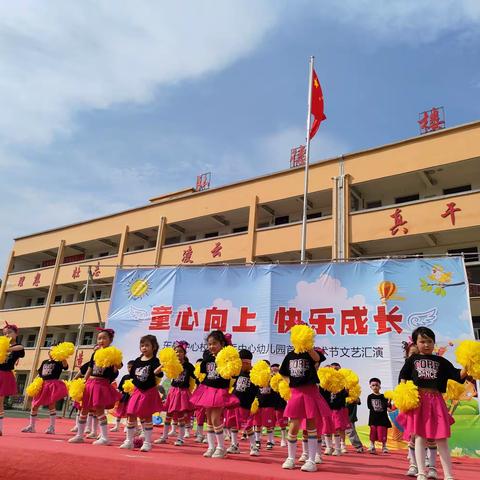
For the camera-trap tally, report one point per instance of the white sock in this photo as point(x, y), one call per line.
point(411, 455)
point(336, 440)
point(284, 434)
point(270, 437)
point(148, 434)
point(103, 426)
point(33, 421)
point(95, 425)
point(130, 433)
point(81, 426)
point(312, 448)
point(89, 423)
point(251, 439)
point(52, 417)
point(200, 430)
point(445, 459)
point(181, 432)
point(220, 436)
point(165, 431)
point(292, 449)
point(420, 444)
point(432, 456)
point(234, 437)
point(258, 436)
point(305, 447)
point(211, 439)
point(328, 441)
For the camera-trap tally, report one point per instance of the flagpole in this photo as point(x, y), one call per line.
point(307, 156)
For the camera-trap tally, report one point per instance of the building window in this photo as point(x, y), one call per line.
point(462, 188)
point(58, 299)
point(314, 215)
point(282, 220)
point(263, 225)
point(87, 338)
point(471, 253)
point(40, 301)
point(30, 343)
point(138, 247)
point(374, 204)
point(98, 294)
point(104, 254)
point(172, 240)
point(240, 229)
point(211, 234)
point(28, 302)
point(48, 340)
point(190, 238)
point(21, 381)
point(407, 198)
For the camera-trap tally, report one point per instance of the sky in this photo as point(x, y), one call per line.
point(107, 104)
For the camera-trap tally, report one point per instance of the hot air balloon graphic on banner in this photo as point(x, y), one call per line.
point(387, 291)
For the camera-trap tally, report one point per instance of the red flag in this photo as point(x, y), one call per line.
point(317, 106)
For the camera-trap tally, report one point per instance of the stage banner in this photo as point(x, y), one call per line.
point(363, 313)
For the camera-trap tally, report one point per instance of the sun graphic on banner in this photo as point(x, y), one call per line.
point(138, 288)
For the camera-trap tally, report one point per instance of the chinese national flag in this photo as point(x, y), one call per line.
point(316, 105)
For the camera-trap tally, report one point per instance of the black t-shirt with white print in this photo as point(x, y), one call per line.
point(245, 390)
point(212, 377)
point(142, 372)
point(183, 380)
point(266, 397)
point(430, 371)
point(336, 401)
point(102, 372)
point(299, 368)
point(51, 370)
point(378, 406)
point(12, 358)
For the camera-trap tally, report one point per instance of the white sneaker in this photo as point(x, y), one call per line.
point(50, 430)
point(412, 471)
point(102, 442)
point(432, 473)
point(127, 445)
point(318, 459)
point(172, 432)
point(219, 453)
point(92, 435)
point(160, 440)
point(209, 453)
point(385, 450)
point(187, 434)
point(114, 429)
point(303, 457)
point(28, 429)
point(344, 450)
point(87, 431)
point(337, 453)
point(74, 429)
point(309, 466)
point(199, 439)
point(328, 451)
point(289, 464)
point(372, 450)
point(283, 443)
point(178, 442)
point(76, 439)
point(233, 449)
point(254, 452)
point(146, 447)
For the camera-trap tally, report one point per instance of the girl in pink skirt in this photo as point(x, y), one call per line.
point(8, 384)
point(178, 405)
point(212, 394)
point(305, 403)
point(280, 405)
point(120, 410)
point(99, 394)
point(430, 420)
point(52, 391)
point(145, 399)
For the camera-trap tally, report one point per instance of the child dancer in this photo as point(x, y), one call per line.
point(299, 369)
point(99, 393)
point(431, 420)
point(120, 410)
point(145, 399)
point(265, 417)
point(240, 417)
point(178, 403)
point(280, 405)
point(213, 394)
point(52, 391)
point(378, 419)
point(352, 431)
point(8, 384)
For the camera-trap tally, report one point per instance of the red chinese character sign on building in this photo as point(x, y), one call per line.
point(450, 211)
point(297, 156)
point(398, 222)
point(431, 120)
point(203, 181)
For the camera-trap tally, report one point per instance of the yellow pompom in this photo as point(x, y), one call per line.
point(228, 362)
point(254, 407)
point(331, 380)
point(274, 382)
point(198, 374)
point(62, 351)
point(171, 365)
point(284, 390)
point(354, 394)
point(302, 338)
point(108, 357)
point(128, 386)
point(405, 396)
point(34, 389)
point(232, 385)
point(192, 384)
point(454, 390)
point(468, 356)
point(4, 346)
point(388, 394)
point(260, 374)
point(351, 378)
point(76, 389)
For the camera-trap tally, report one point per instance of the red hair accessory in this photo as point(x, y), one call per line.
point(182, 344)
point(110, 331)
point(228, 338)
point(11, 326)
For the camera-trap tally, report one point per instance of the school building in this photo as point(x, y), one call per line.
point(419, 196)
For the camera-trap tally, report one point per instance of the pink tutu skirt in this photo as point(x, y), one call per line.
point(340, 419)
point(52, 391)
point(8, 384)
point(120, 410)
point(99, 394)
point(306, 402)
point(178, 400)
point(265, 417)
point(209, 397)
point(144, 403)
point(429, 420)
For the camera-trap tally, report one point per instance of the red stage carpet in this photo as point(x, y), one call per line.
point(41, 457)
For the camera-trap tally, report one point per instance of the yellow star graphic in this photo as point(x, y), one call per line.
point(315, 83)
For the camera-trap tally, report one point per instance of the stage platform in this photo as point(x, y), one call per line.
point(46, 457)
